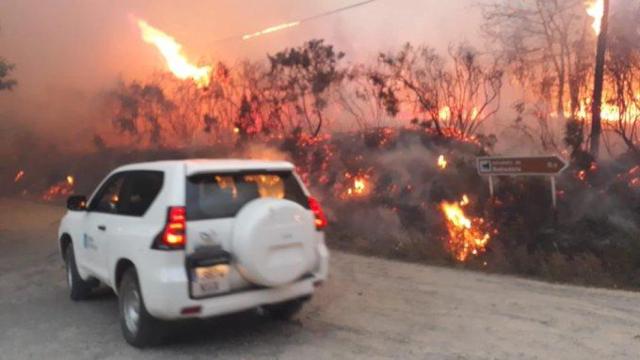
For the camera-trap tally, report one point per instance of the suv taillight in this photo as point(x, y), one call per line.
point(173, 235)
point(321, 219)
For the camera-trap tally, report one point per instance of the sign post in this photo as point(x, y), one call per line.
point(522, 166)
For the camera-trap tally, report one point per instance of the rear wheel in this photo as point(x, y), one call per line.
point(139, 328)
point(79, 289)
point(285, 310)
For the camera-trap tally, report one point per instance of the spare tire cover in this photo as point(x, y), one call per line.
point(274, 241)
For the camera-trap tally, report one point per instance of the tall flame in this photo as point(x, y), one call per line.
point(466, 234)
point(270, 30)
point(171, 51)
point(596, 11)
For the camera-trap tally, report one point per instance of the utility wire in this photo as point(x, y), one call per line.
point(289, 24)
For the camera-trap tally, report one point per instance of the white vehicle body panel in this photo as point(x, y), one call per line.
point(101, 241)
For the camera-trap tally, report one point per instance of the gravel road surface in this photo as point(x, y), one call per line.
point(370, 308)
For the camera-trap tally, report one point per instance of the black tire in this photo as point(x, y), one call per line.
point(139, 328)
point(285, 310)
point(79, 289)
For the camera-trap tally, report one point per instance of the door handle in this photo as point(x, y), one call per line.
point(102, 227)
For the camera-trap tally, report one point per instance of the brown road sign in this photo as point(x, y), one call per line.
point(525, 165)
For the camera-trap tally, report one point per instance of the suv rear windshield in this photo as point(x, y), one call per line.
point(222, 195)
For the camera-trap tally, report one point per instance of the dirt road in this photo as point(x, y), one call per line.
point(370, 308)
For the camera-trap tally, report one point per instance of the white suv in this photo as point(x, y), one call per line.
point(195, 238)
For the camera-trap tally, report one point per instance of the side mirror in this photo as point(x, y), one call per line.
point(77, 203)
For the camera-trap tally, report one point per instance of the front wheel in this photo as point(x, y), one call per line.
point(79, 289)
point(139, 328)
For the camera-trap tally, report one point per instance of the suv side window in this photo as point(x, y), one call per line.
point(139, 190)
point(107, 198)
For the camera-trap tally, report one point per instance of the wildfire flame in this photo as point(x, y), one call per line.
point(444, 113)
point(634, 177)
point(442, 162)
point(171, 51)
point(19, 176)
point(270, 30)
point(466, 234)
point(596, 11)
point(358, 186)
point(60, 189)
point(609, 112)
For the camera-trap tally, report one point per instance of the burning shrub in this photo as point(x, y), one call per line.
point(467, 235)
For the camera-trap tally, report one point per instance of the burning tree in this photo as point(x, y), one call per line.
point(622, 78)
point(456, 99)
point(364, 97)
point(140, 111)
point(547, 46)
point(304, 77)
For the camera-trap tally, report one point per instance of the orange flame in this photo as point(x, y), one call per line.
point(442, 162)
point(634, 177)
point(609, 112)
point(171, 51)
point(596, 11)
point(466, 234)
point(444, 114)
point(358, 186)
point(270, 30)
point(19, 176)
point(60, 189)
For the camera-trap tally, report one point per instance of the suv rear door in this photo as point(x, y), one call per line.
point(214, 198)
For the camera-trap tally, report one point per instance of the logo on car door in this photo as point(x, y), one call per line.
point(88, 242)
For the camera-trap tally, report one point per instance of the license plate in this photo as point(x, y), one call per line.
point(210, 280)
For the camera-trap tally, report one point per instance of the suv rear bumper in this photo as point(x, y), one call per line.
point(170, 306)
point(166, 291)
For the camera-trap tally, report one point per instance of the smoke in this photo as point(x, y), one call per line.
point(68, 52)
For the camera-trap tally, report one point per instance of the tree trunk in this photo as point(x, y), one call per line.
point(596, 126)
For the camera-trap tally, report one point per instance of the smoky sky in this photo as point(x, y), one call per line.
point(67, 52)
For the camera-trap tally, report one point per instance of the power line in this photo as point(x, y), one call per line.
point(285, 25)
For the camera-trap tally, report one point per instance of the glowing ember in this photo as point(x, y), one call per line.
point(19, 176)
point(596, 10)
point(171, 51)
point(467, 235)
point(270, 30)
point(444, 113)
point(59, 190)
point(581, 175)
point(634, 177)
point(358, 186)
point(442, 162)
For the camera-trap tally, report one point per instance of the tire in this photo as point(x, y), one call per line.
point(79, 289)
point(139, 328)
point(285, 310)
